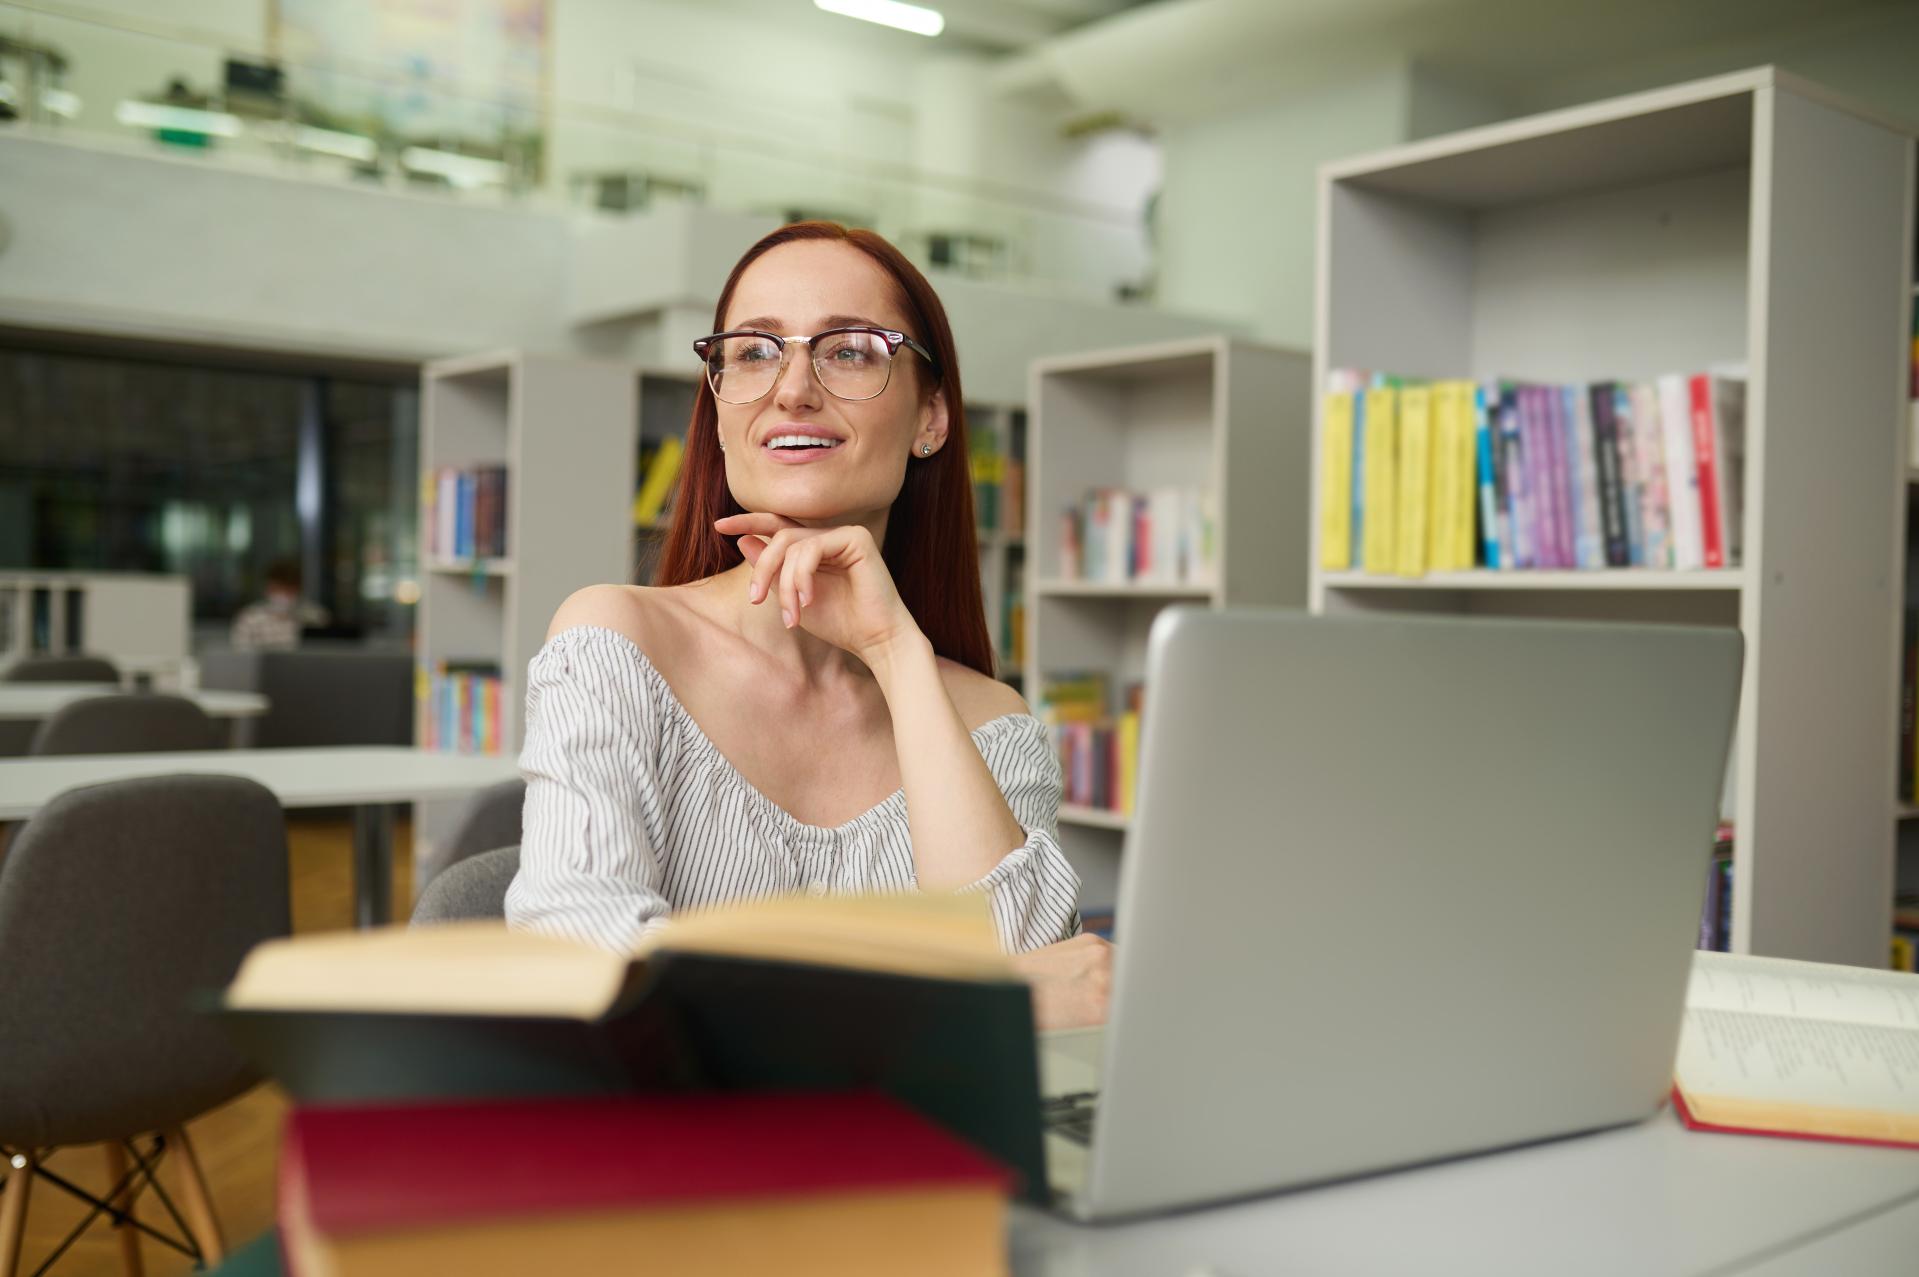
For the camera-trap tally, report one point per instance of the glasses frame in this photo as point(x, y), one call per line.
point(893, 338)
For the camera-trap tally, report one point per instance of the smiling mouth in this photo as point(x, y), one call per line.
point(797, 443)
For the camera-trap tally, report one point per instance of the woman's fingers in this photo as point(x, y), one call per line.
point(796, 578)
point(764, 524)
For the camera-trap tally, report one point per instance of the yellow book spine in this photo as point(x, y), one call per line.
point(658, 481)
point(1471, 410)
point(1336, 482)
point(1381, 487)
point(1902, 954)
point(1128, 761)
point(1439, 510)
point(1415, 478)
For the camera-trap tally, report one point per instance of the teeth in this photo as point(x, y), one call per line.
point(801, 441)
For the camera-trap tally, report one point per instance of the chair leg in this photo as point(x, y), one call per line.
point(201, 1221)
point(13, 1213)
point(128, 1234)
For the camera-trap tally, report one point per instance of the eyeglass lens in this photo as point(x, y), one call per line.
point(851, 365)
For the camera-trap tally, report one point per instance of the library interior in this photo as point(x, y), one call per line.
point(1411, 763)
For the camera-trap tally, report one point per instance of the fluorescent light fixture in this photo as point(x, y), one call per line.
point(349, 146)
point(177, 119)
point(62, 103)
point(464, 171)
point(889, 13)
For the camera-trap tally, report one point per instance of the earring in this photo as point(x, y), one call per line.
point(926, 450)
point(722, 443)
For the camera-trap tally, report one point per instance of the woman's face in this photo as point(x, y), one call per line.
point(802, 288)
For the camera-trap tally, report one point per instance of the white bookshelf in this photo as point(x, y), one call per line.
point(564, 431)
point(1215, 414)
point(140, 621)
point(1751, 218)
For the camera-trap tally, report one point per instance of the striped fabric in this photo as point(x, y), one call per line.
point(632, 813)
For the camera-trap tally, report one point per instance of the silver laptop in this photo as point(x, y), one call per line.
point(1395, 890)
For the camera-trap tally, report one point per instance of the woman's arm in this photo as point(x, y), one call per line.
point(961, 824)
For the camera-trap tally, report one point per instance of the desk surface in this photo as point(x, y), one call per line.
point(1647, 1199)
point(30, 702)
point(339, 776)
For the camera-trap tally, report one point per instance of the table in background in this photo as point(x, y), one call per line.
point(368, 778)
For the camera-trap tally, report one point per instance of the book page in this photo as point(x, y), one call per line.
point(1816, 990)
point(1776, 1059)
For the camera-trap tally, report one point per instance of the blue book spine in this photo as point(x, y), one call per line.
point(1630, 436)
point(1517, 515)
point(1483, 415)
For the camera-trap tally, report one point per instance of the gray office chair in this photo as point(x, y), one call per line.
point(62, 669)
point(127, 723)
point(473, 889)
point(118, 904)
point(488, 819)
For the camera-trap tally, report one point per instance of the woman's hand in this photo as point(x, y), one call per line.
point(1071, 981)
point(831, 581)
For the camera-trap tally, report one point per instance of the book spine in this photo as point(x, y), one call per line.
point(1465, 551)
point(1415, 479)
point(1441, 488)
point(1382, 533)
point(1611, 488)
point(1712, 527)
point(1516, 511)
point(1682, 473)
point(1552, 482)
point(1336, 481)
point(1631, 484)
point(1486, 470)
point(1590, 541)
point(1357, 543)
point(1905, 707)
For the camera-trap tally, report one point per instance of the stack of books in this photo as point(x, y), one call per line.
point(460, 706)
point(999, 480)
point(845, 1085)
point(1443, 476)
point(1098, 750)
point(1166, 536)
point(465, 512)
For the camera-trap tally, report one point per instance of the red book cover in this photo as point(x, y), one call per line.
point(1692, 1123)
point(374, 1168)
point(1712, 520)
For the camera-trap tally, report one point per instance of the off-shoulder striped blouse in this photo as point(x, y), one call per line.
point(632, 813)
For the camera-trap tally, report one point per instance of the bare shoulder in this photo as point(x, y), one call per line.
point(643, 614)
point(978, 698)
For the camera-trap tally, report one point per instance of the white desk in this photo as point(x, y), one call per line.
point(1647, 1199)
point(368, 778)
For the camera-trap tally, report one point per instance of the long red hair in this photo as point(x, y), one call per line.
point(931, 547)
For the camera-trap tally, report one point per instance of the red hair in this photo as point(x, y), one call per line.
point(931, 547)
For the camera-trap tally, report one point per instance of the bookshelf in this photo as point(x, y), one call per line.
point(1749, 218)
point(1214, 414)
point(996, 442)
point(563, 429)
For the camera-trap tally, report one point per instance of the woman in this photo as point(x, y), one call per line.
point(805, 702)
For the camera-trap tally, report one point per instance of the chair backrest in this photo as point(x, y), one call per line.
point(119, 903)
point(127, 723)
point(490, 818)
point(473, 889)
point(61, 669)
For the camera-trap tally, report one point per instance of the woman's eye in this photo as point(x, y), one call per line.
point(756, 352)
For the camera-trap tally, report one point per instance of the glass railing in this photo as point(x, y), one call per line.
point(101, 79)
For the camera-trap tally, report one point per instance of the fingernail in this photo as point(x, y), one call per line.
point(806, 598)
point(753, 592)
point(787, 617)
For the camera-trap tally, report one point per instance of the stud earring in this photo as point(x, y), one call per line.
point(926, 450)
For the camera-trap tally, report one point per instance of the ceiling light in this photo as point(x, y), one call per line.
point(177, 119)
point(350, 146)
point(464, 171)
point(889, 13)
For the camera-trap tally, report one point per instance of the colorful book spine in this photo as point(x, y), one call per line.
point(1518, 502)
point(1415, 479)
point(1381, 548)
point(1603, 428)
point(1682, 472)
point(1582, 453)
point(1486, 470)
point(1441, 481)
point(1336, 481)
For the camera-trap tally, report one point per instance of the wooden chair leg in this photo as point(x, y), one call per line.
point(128, 1234)
point(201, 1221)
point(13, 1212)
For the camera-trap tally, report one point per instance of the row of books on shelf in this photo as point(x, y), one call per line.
point(1442, 476)
point(465, 512)
point(659, 468)
point(461, 706)
point(1098, 750)
point(999, 480)
point(1715, 920)
point(1909, 708)
point(1118, 536)
point(1905, 932)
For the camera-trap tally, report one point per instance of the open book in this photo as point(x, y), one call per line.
point(908, 994)
point(1805, 1049)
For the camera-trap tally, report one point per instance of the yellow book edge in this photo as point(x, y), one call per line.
point(1777, 1118)
point(484, 968)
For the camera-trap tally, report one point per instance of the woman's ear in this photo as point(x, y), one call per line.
point(931, 435)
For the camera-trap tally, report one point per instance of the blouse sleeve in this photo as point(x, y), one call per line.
point(1034, 891)
point(587, 868)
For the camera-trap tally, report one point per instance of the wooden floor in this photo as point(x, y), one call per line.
point(238, 1143)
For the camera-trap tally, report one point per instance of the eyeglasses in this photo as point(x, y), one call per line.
point(851, 363)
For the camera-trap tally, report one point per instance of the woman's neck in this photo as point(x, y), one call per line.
point(810, 659)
